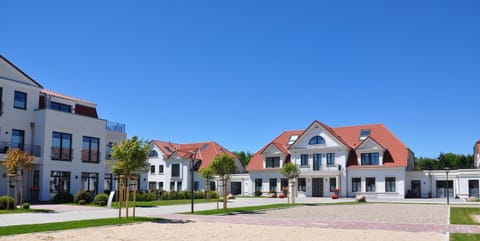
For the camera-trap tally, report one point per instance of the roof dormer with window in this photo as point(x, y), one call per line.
point(370, 153)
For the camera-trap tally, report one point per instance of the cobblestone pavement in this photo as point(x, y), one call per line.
point(395, 217)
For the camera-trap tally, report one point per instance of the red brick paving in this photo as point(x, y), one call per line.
point(256, 220)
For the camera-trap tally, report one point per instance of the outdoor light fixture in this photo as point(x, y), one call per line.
point(447, 170)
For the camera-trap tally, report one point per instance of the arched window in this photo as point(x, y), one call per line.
point(153, 153)
point(316, 140)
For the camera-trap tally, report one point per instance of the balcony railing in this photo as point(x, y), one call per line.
point(33, 150)
point(115, 126)
point(61, 154)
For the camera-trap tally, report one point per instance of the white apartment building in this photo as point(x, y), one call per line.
point(68, 140)
point(170, 165)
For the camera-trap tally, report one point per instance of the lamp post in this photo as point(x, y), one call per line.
point(447, 170)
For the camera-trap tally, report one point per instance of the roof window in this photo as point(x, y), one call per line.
point(292, 139)
point(364, 134)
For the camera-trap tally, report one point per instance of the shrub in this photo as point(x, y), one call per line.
point(258, 193)
point(26, 205)
point(82, 202)
point(199, 195)
point(4, 200)
point(213, 195)
point(63, 197)
point(101, 199)
point(82, 195)
point(180, 195)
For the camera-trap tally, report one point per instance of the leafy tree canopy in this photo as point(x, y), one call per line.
point(223, 165)
point(17, 159)
point(131, 157)
point(451, 160)
point(290, 170)
point(244, 157)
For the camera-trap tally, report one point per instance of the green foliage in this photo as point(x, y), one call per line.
point(17, 159)
point(207, 173)
point(82, 195)
point(451, 160)
point(101, 199)
point(290, 170)
point(6, 200)
point(131, 156)
point(223, 165)
point(82, 202)
point(244, 157)
point(145, 196)
point(258, 193)
point(464, 237)
point(463, 215)
point(63, 197)
point(26, 205)
point(185, 195)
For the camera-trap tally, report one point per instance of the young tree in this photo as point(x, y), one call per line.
point(16, 162)
point(131, 161)
point(290, 171)
point(207, 174)
point(223, 166)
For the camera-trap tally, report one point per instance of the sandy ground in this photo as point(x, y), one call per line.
point(222, 231)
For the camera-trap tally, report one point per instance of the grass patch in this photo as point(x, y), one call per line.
point(464, 237)
point(463, 215)
point(245, 210)
point(25, 211)
point(33, 228)
point(147, 204)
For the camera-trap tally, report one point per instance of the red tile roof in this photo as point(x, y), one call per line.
point(281, 142)
point(396, 154)
point(206, 151)
point(397, 150)
point(53, 93)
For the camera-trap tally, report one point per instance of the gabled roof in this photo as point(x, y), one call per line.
point(205, 151)
point(397, 150)
point(369, 138)
point(327, 128)
point(281, 142)
point(20, 71)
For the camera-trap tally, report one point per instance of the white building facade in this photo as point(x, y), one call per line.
point(70, 144)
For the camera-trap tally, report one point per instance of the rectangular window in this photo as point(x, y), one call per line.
point(108, 183)
point(284, 184)
point(60, 107)
point(258, 184)
point(304, 160)
point(272, 162)
point(90, 182)
point(172, 186)
point(175, 170)
point(273, 184)
point(356, 184)
point(20, 100)
point(333, 184)
point(179, 186)
point(370, 158)
point(59, 182)
point(152, 169)
point(330, 159)
point(1, 101)
point(302, 185)
point(317, 161)
point(152, 185)
point(91, 149)
point(61, 146)
point(213, 187)
point(370, 184)
point(160, 186)
point(196, 186)
point(390, 184)
point(160, 169)
point(18, 139)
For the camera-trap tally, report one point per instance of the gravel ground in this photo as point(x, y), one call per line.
point(370, 212)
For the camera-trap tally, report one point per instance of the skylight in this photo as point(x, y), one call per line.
point(292, 139)
point(204, 146)
point(167, 148)
point(364, 134)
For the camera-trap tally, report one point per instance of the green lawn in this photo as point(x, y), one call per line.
point(252, 209)
point(164, 202)
point(33, 228)
point(464, 237)
point(461, 215)
point(18, 210)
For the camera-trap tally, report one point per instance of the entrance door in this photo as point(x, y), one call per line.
point(236, 188)
point(317, 187)
point(416, 188)
point(442, 189)
point(473, 188)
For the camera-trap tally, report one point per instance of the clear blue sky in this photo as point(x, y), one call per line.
point(242, 72)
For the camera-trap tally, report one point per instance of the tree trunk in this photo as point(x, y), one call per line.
point(119, 196)
point(21, 191)
point(135, 196)
point(127, 196)
point(224, 193)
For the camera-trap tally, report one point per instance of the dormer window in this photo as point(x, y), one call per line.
point(272, 162)
point(316, 140)
point(292, 139)
point(370, 158)
point(364, 134)
point(153, 153)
